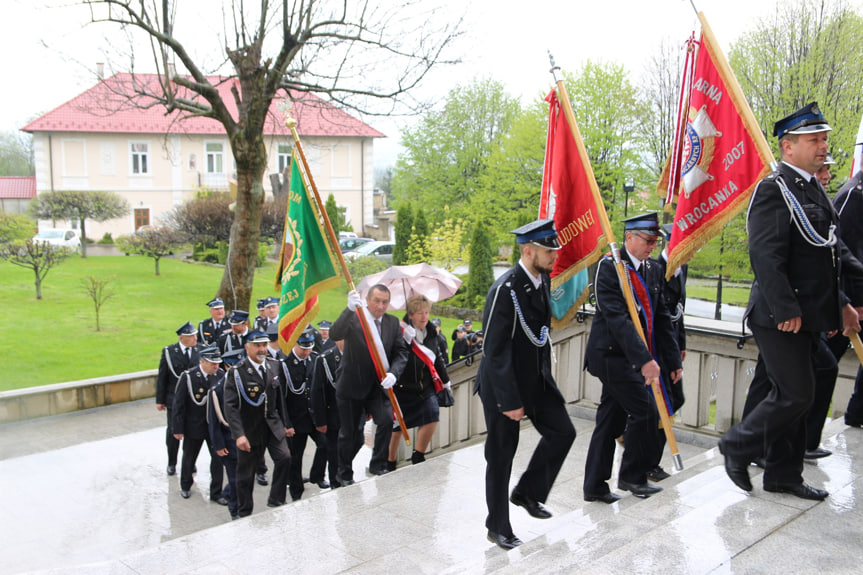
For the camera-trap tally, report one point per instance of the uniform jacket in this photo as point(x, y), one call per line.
point(513, 370)
point(416, 378)
point(849, 203)
point(190, 418)
point(255, 422)
point(359, 379)
point(230, 341)
point(615, 351)
point(327, 369)
point(674, 294)
point(262, 323)
point(296, 375)
point(792, 277)
point(209, 333)
point(220, 431)
point(172, 364)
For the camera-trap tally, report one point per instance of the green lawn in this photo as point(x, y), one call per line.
point(738, 296)
point(55, 340)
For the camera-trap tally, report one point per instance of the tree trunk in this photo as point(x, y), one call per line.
point(239, 275)
point(157, 265)
point(38, 285)
point(83, 240)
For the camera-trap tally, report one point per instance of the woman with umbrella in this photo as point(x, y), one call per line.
point(416, 388)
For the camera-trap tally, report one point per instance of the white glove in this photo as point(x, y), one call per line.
point(408, 332)
point(388, 381)
point(448, 385)
point(354, 300)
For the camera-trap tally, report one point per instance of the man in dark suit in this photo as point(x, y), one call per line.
point(795, 256)
point(358, 388)
point(175, 359)
point(514, 382)
point(324, 407)
point(210, 329)
point(626, 365)
point(674, 294)
point(190, 421)
point(254, 410)
point(849, 203)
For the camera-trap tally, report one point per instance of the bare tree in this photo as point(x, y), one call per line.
point(354, 53)
point(99, 292)
point(156, 243)
point(35, 255)
point(659, 89)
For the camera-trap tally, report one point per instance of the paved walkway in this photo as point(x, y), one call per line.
point(87, 493)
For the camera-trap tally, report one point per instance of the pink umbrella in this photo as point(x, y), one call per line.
point(404, 281)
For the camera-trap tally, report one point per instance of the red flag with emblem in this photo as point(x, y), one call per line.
point(722, 153)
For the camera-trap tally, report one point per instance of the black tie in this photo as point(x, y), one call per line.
point(263, 372)
point(189, 354)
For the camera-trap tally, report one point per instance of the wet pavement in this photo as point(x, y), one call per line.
point(87, 493)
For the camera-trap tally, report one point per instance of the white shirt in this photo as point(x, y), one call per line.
point(537, 281)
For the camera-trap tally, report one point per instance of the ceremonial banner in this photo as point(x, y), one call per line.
point(724, 154)
point(308, 264)
point(567, 181)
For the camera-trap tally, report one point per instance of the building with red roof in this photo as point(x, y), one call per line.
point(16, 192)
point(105, 139)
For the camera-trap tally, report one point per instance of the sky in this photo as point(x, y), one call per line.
point(50, 52)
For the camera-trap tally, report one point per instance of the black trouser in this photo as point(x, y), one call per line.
point(351, 417)
point(625, 408)
point(776, 426)
point(826, 368)
point(191, 449)
point(230, 490)
point(247, 462)
point(557, 433)
point(297, 445)
point(171, 442)
point(332, 438)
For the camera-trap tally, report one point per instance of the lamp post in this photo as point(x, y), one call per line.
point(629, 186)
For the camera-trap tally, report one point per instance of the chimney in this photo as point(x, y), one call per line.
point(100, 71)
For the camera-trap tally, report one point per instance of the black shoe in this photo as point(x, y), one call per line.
point(322, 484)
point(658, 474)
point(345, 482)
point(853, 422)
point(262, 479)
point(185, 493)
point(296, 497)
point(760, 462)
point(535, 508)
point(220, 500)
point(642, 490)
point(801, 490)
point(737, 471)
point(171, 470)
point(391, 465)
point(234, 517)
point(379, 471)
point(608, 498)
point(504, 541)
point(417, 457)
point(306, 480)
point(271, 503)
point(817, 453)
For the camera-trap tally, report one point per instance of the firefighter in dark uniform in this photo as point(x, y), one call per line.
point(235, 337)
point(222, 443)
point(213, 327)
point(322, 337)
point(674, 294)
point(296, 381)
point(798, 262)
point(190, 421)
point(175, 359)
point(515, 382)
point(324, 409)
point(625, 365)
point(254, 410)
point(269, 315)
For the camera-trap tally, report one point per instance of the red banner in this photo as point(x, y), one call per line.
point(724, 154)
point(566, 198)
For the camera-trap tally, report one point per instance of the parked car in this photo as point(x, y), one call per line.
point(347, 234)
point(381, 250)
point(350, 244)
point(59, 237)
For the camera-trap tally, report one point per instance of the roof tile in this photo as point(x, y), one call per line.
point(12, 187)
